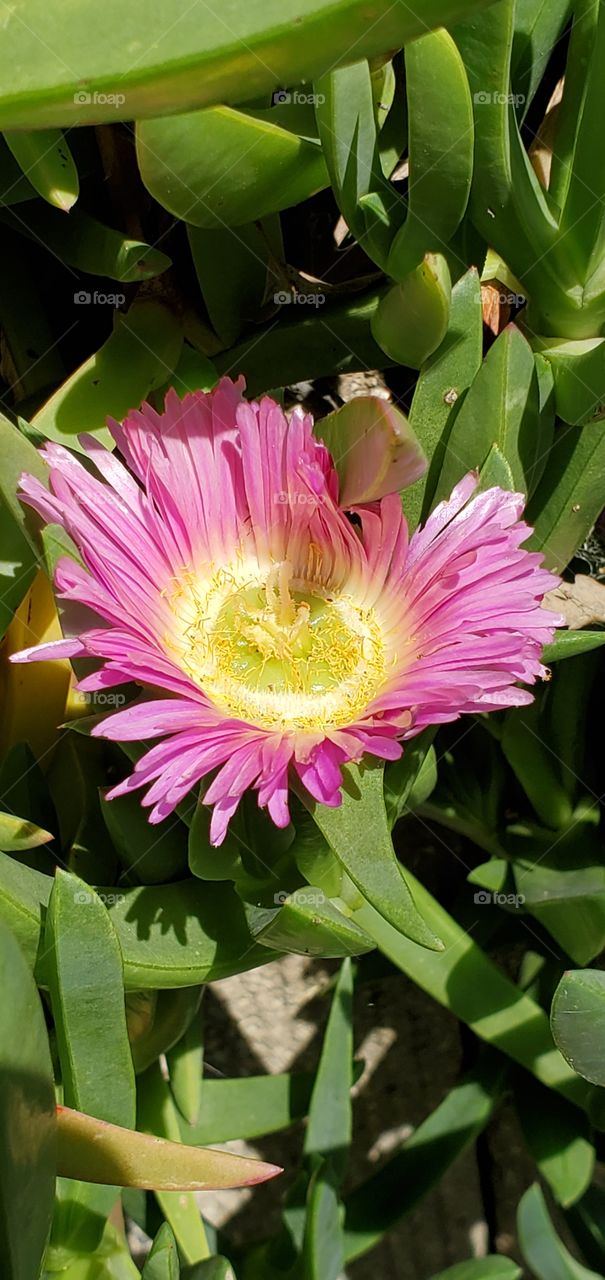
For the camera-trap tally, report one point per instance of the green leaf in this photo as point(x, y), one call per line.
point(27, 1119)
point(535, 765)
point(17, 834)
point(85, 977)
point(329, 1125)
point(142, 350)
point(440, 150)
point(349, 135)
point(157, 1020)
point(578, 368)
point(163, 1259)
point(167, 933)
point(410, 779)
point(249, 1107)
point(223, 167)
point(569, 644)
point(86, 244)
point(199, 64)
point(413, 316)
point(496, 471)
point(570, 494)
point(358, 833)
point(501, 408)
point(107, 1153)
point(538, 24)
point(490, 1268)
point(309, 924)
point(402, 1181)
point(578, 1022)
point(185, 1061)
point(542, 1249)
point(559, 1140)
point(47, 162)
point(443, 380)
point(338, 340)
point(231, 267)
point(212, 1269)
point(18, 526)
point(153, 854)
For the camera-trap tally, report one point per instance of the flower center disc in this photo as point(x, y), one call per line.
point(283, 653)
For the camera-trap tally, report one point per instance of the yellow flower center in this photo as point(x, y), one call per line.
point(276, 651)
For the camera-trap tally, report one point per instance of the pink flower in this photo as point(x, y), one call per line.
point(270, 630)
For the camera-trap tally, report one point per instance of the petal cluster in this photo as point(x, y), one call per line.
point(222, 523)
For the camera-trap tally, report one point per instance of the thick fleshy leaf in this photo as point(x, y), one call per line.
point(185, 1062)
point(48, 164)
point(337, 340)
point(346, 117)
point(249, 1106)
point(96, 1151)
point(223, 167)
point(17, 834)
point(157, 1020)
point(578, 369)
point(329, 1125)
point(570, 494)
point(542, 1248)
point(27, 1119)
point(412, 317)
point(578, 1022)
point(358, 833)
point(501, 408)
point(86, 244)
point(490, 1268)
point(439, 391)
point(558, 1139)
point(88, 76)
point(167, 933)
point(231, 267)
point(374, 449)
point(162, 1260)
point(309, 924)
point(17, 528)
point(440, 150)
point(142, 350)
point(568, 644)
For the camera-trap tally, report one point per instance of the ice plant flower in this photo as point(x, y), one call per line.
point(270, 629)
